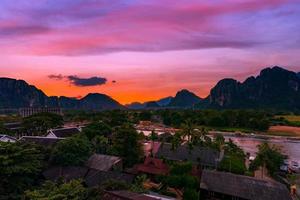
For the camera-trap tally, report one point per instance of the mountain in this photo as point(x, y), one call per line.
point(164, 101)
point(17, 94)
point(96, 101)
point(151, 104)
point(183, 99)
point(135, 105)
point(274, 88)
point(154, 104)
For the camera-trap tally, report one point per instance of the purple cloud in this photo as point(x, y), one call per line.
point(83, 82)
point(78, 81)
point(76, 27)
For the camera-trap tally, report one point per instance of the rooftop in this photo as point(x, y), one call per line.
point(205, 156)
point(95, 177)
point(65, 132)
point(153, 166)
point(243, 186)
point(125, 195)
point(45, 141)
point(102, 162)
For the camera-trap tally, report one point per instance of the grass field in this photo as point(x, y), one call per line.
point(291, 118)
point(284, 131)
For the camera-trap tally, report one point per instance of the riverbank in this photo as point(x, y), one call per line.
point(262, 136)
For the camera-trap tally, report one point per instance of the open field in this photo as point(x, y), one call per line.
point(291, 118)
point(284, 131)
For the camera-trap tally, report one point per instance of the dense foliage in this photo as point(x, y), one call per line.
point(38, 124)
point(212, 118)
point(73, 190)
point(269, 157)
point(180, 178)
point(20, 164)
point(97, 129)
point(126, 144)
point(72, 151)
point(234, 159)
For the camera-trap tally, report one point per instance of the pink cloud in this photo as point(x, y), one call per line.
point(95, 27)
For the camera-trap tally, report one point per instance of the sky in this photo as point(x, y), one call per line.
point(140, 50)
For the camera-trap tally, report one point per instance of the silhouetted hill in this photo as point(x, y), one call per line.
point(151, 104)
point(17, 94)
point(164, 101)
point(184, 98)
point(274, 88)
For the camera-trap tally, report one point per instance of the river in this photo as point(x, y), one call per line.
point(290, 148)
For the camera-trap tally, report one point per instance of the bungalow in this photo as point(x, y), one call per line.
point(95, 177)
point(7, 138)
point(91, 177)
point(153, 166)
point(63, 132)
point(104, 162)
point(44, 141)
point(223, 185)
point(126, 195)
point(203, 156)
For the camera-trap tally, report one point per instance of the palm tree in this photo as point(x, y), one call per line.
point(153, 136)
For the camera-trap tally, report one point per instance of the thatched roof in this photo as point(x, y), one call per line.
point(243, 186)
point(95, 177)
point(102, 162)
point(45, 141)
point(65, 132)
point(203, 155)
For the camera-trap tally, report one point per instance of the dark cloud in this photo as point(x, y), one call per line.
point(22, 30)
point(56, 76)
point(82, 82)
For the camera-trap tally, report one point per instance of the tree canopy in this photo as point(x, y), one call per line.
point(269, 157)
point(73, 190)
point(38, 124)
point(72, 151)
point(99, 128)
point(20, 164)
point(126, 144)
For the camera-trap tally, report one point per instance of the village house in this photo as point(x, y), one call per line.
point(224, 185)
point(7, 138)
point(103, 162)
point(63, 132)
point(201, 156)
point(127, 195)
point(97, 170)
point(152, 166)
point(44, 141)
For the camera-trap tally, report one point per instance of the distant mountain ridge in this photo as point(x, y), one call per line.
point(274, 88)
point(17, 94)
point(182, 99)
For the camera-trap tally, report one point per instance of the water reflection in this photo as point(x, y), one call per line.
point(249, 144)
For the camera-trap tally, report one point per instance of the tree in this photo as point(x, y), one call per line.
point(234, 159)
point(73, 190)
point(153, 136)
point(72, 151)
point(125, 143)
point(176, 140)
point(100, 144)
point(20, 165)
point(97, 129)
point(180, 179)
point(269, 157)
point(38, 124)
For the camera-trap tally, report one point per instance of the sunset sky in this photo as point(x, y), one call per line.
point(138, 50)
